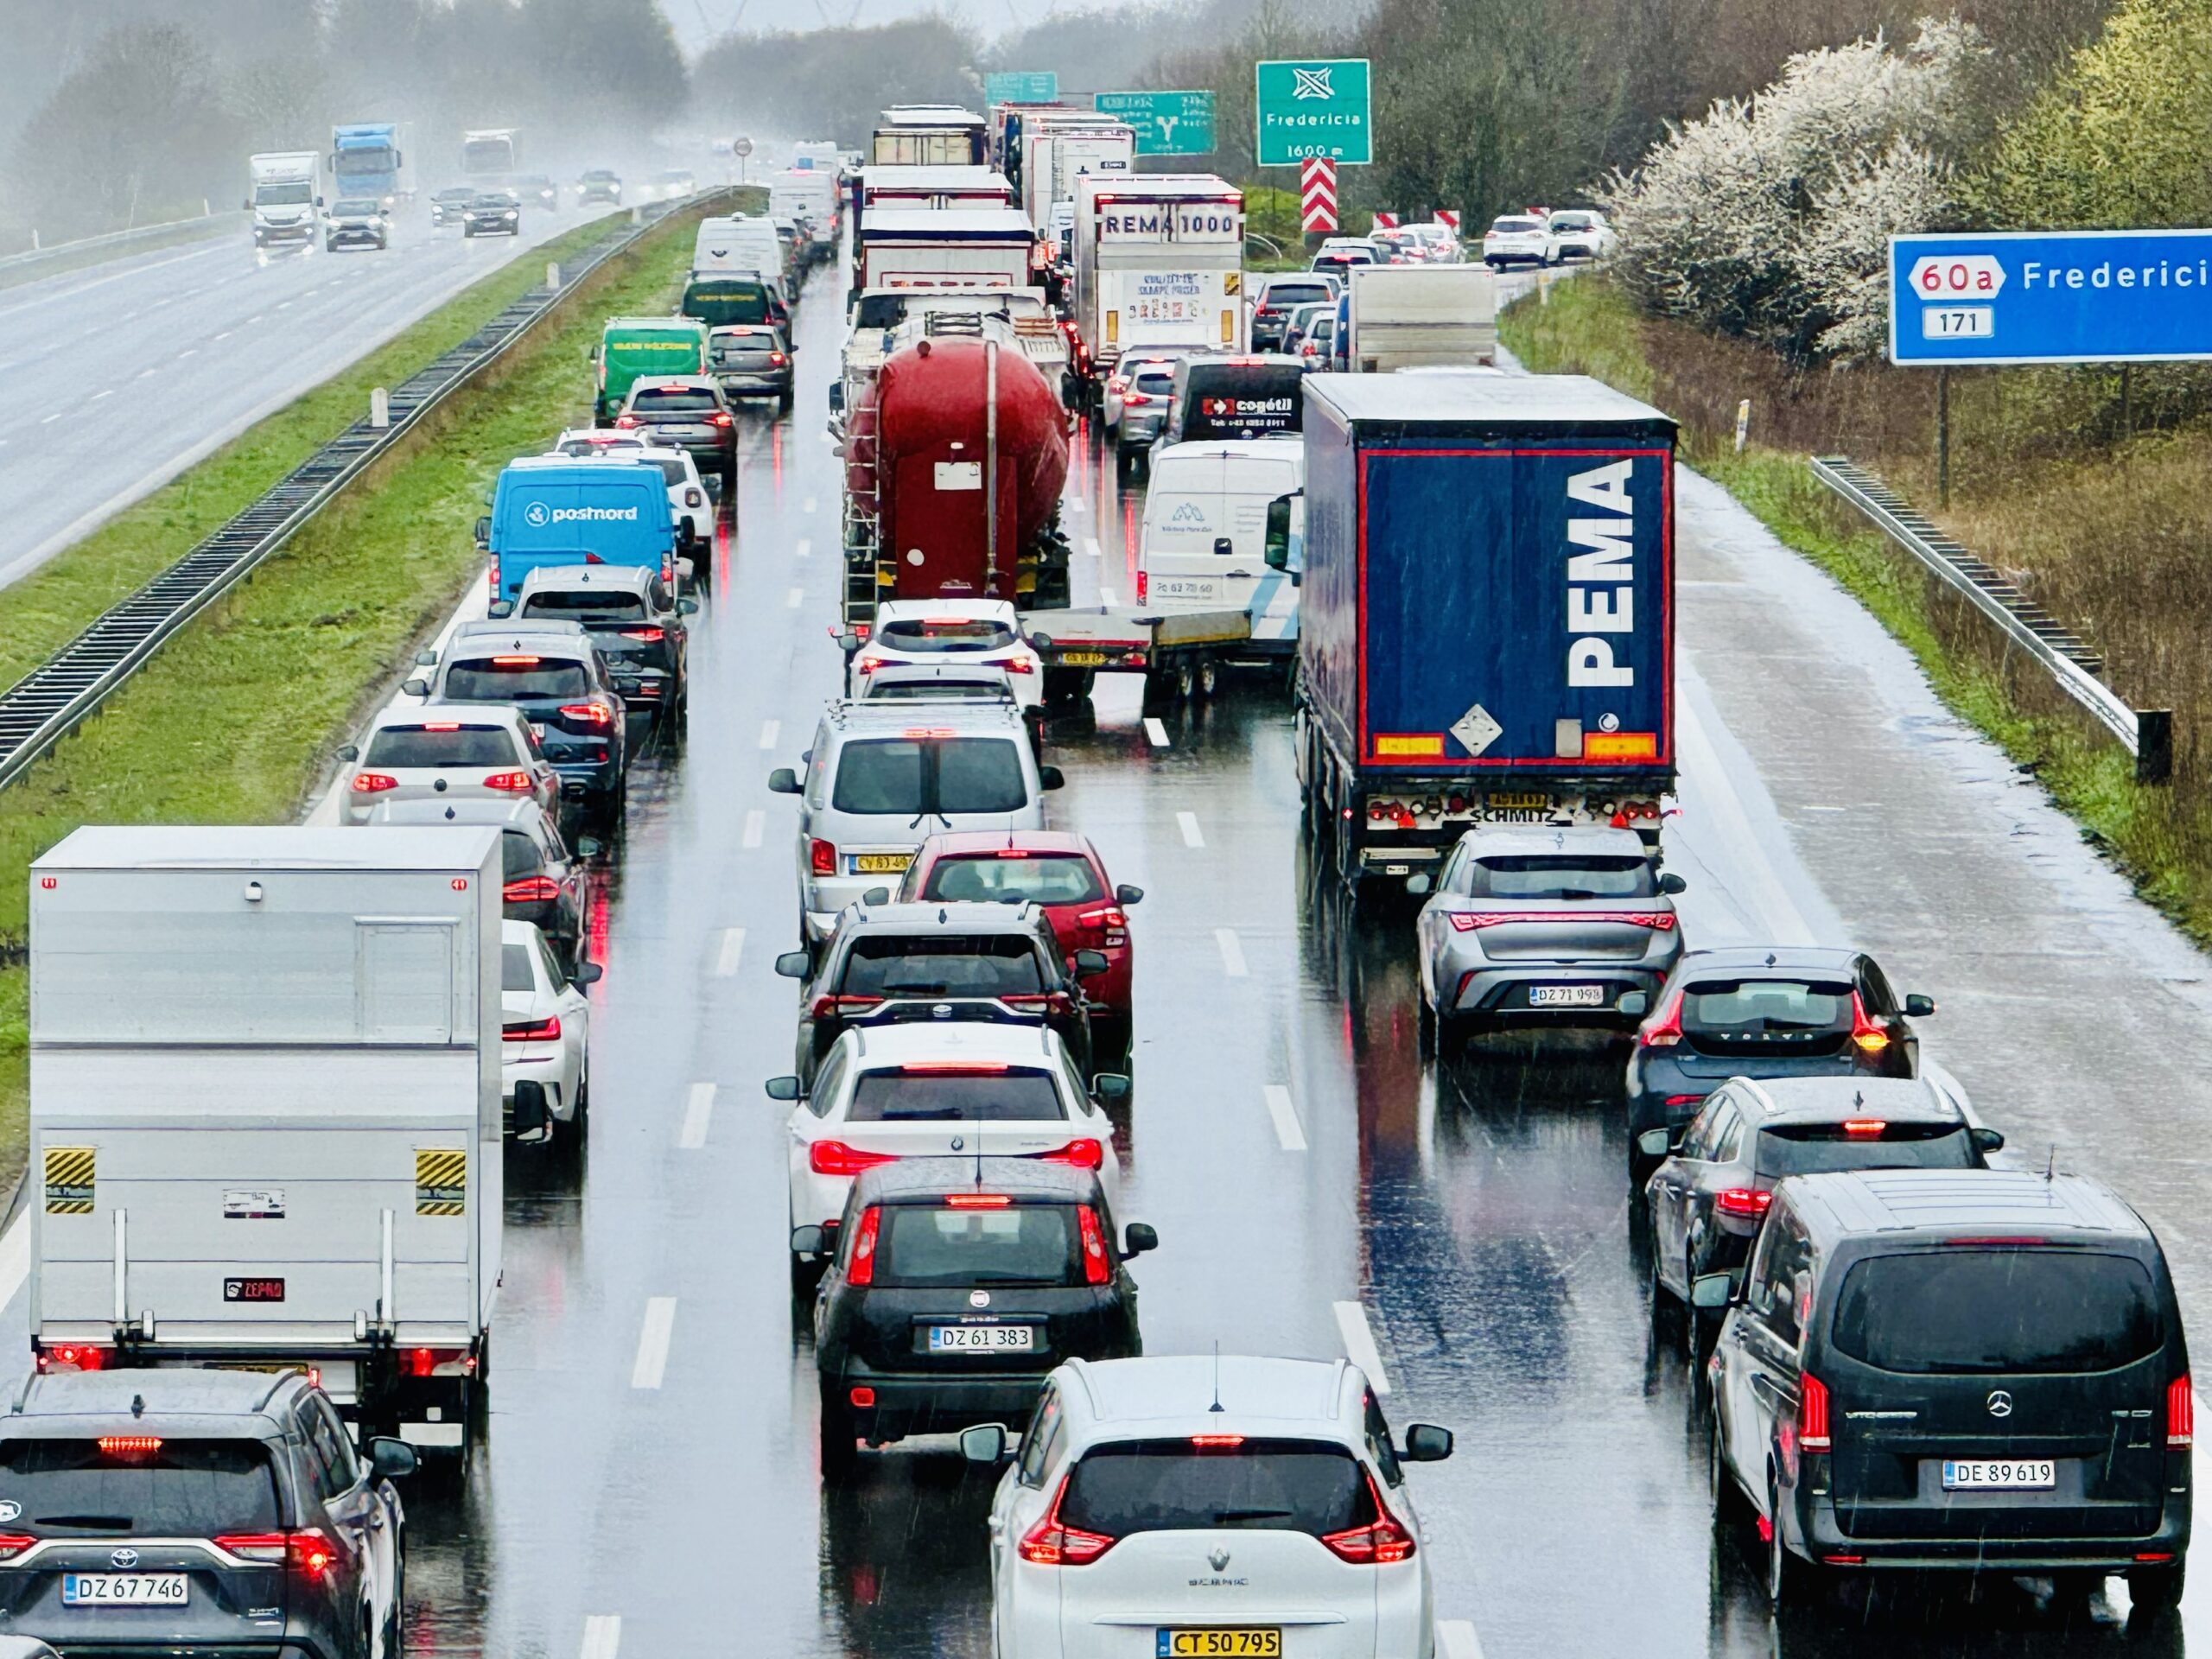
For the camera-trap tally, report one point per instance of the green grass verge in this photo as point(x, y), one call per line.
point(1590, 327)
point(234, 720)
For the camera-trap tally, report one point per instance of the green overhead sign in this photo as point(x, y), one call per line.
point(1313, 107)
point(1167, 124)
point(1022, 87)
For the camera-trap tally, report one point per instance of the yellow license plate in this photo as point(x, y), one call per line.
point(1083, 658)
point(1522, 798)
point(881, 863)
point(1249, 1643)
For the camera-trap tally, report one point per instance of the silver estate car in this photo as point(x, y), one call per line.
point(1541, 926)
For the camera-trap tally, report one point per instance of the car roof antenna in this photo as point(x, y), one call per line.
point(2050, 1164)
point(1216, 1376)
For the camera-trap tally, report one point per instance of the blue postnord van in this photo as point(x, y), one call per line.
point(551, 509)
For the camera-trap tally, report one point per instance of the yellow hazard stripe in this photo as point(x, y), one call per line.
point(440, 1181)
point(69, 1176)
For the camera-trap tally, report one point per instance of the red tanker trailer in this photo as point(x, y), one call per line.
point(954, 457)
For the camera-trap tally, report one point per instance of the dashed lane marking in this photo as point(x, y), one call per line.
point(1359, 1343)
point(1189, 821)
point(653, 1343)
point(1091, 545)
point(698, 1111)
point(602, 1636)
point(756, 824)
point(733, 948)
point(1286, 1117)
point(770, 730)
point(1456, 1639)
point(1232, 953)
point(795, 599)
point(801, 547)
point(1155, 731)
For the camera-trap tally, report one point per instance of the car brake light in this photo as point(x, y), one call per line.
point(591, 714)
point(373, 782)
point(826, 1006)
point(650, 636)
point(1746, 1202)
point(1813, 1413)
point(440, 726)
point(2181, 1413)
point(836, 1158)
point(1051, 1543)
point(1112, 916)
point(719, 419)
point(1658, 921)
point(130, 1446)
point(1012, 664)
point(821, 856)
point(1866, 1128)
point(1867, 1033)
point(1131, 400)
point(862, 1269)
point(513, 783)
point(526, 1031)
point(1097, 1266)
point(1216, 1442)
point(1144, 582)
point(625, 420)
point(530, 890)
point(1684, 1100)
point(13, 1544)
point(1380, 1543)
point(1086, 1153)
point(978, 1201)
point(1666, 1030)
point(777, 358)
point(515, 662)
point(952, 1068)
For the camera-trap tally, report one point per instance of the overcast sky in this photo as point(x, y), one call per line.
point(698, 21)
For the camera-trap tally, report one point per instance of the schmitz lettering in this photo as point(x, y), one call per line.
point(1601, 595)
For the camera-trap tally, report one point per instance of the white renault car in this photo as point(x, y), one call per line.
point(975, 632)
point(545, 1028)
point(1516, 239)
point(1194, 1505)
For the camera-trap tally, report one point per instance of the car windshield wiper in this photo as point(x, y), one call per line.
point(101, 1523)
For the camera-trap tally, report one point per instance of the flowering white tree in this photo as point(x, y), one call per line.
point(1769, 216)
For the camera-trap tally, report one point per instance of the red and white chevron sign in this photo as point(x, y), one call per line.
point(1317, 194)
point(1385, 221)
point(1449, 219)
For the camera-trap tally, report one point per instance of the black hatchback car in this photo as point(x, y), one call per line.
point(632, 619)
point(1758, 1011)
point(921, 963)
point(1973, 1370)
point(956, 1285)
point(203, 1512)
point(557, 676)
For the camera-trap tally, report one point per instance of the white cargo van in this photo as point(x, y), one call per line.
point(1417, 316)
point(266, 1121)
point(1204, 539)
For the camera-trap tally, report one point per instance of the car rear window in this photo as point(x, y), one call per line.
point(989, 1094)
point(1812, 1148)
point(1280, 293)
point(668, 399)
point(1513, 224)
point(745, 351)
point(942, 965)
point(914, 775)
point(186, 1489)
point(595, 605)
point(1175, 1485)
point(896, 690)
point(519, 853)
point(1571, 221)
point(441, 745)
point(1021, 1244)
point(979, 774)
point(1041, 878)
point(1574, 876)
point(921, 636)
point(514, 969)
point(1757, 1007)
point(671, 469)
point(583, 448)
point(511, 679)
point(1156, 384)
point(1971, 1308)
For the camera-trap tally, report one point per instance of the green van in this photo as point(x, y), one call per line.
point(631, 346)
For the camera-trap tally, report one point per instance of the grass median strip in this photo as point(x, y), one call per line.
point(233, 722)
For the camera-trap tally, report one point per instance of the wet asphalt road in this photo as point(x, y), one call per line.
point(1470, 1221)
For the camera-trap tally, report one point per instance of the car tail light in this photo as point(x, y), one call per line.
point(130, 1446)
point(952, 1068)
point(516, 661)
point(1012, 664)
point(73, 1356)
point(777, 358)
point(1380, 1543)
point(1051, 1543)
point(1746, 1202)
point(821, 856)
point(1867, 1032)
point(1131, 399)
point(306, 1549)
point(592, 714)
point(719, 419)
point(440, 726)
point(836, 1158)
point(1097, 1265)
point(1684, 1100)
point(13, 1544)
point(532, 890)
point(650, 636)
point(626, 420)
point(1666, 1030)
point(1085, 1154)
point(979, 1201)
point(1144, 582)
point(1055, 1001)
point(1216, 1442)
point(824, 1006)
point(547, 1030)
point(1813, 1413)
point(2181, 1413)
point(373, 782)
point(1117, 383)
point(861, 1268)
point(513, 783)
point(1263, 309)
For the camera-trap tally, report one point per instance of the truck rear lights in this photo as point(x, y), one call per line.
point(532, 890)
point(2181, 1413)
point(1813, 1413)
point(1870, 1034)
point(373, 782)
point(510, 783)
point(547, 1030)
point(1082, 1153)
point(821, 856)
point(836, 1158)
point(1097, 1265)
point(591, 714)
point(73, 1356)
point(860, 1270)
point(436, 1362)
point(1144, 585)
point(130, 1446)
point(1746, 1203)
point(1051, 1543)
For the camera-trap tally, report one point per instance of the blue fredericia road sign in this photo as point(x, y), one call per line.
point(2051, 297)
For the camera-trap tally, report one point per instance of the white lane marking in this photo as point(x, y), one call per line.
point(97, 395)
point(281, 305)
point(1091, 545)
point(15, 1258)
point(697, 1110)
point(1155, 731)
point(801, 547)
point(733, 948)
point(1232, 953)
point(808, 505)
point(797, 598)
point(756, 823)
point(52, 419)
point(1106, 596)
point(602, 1636)
point(660, 1325)
point(250, 322)
point(226, 335)
point(1456, 1639)
point(1359, 1343)
point(1286, 1117)
point(1189, 822)
point(190, 351)
point(770, 730)
point(1076, 503)
point(147, 374)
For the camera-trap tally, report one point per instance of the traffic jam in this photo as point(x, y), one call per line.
point(1015, 760)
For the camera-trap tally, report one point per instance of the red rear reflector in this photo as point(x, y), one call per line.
point(1813, 1413)
point(1144, 582)
point(130, 1446)
point(2181, 1413)
point(862, 1269)
point(863, 1397)
point(1742, 1201)
point(836, 1158)
point(977, 1201)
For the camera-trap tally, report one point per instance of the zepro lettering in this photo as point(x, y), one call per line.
point(1601, 573)
point(539, 515)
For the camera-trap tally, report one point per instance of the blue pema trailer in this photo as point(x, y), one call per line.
point(1487, 625)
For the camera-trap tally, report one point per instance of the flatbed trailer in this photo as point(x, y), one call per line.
point(1177, 652)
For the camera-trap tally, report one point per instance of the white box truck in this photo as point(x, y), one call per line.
point(1060, 146)
point(1417, 316)
point(283, 199)
point(945, 247)
point(1158, 261)
point(265, 1118)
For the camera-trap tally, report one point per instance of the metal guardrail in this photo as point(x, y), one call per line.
point(2146, 734)
point(212, 222)
point(43, 706)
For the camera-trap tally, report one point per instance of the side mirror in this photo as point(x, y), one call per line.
point(500, 609)
point(785, 1087)
point(1986, 1140)
point(589, 847)
point(426, 659)
point(391, 1459)
point(837, 396)
point(417, 687)
point(1655, 1143)
point(1635, 1004)
point(1138, 1237)
point(1111, 1087)
point(687, 607)
point(793, 965)
point(1418, 883)
point(1917, 1007)
point(876, 896)
point(1050, 778)
point(807, 1241)
point(1126, 894)
point(1425, 1443)
point(530, 1120)
point(1089, 964)
point(783, 781)
point(1712, 1290)
point(986, 1443)
point(347, 752)
point(484, 531)
point(1671, 883)
point(587, 973)
point(849, 642)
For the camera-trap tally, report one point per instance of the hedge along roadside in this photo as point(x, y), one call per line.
point(232, 720)
point(1590, 327)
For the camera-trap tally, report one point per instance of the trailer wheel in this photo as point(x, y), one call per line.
point(1186, 683)
point(1065, 685)
point(1209, 677)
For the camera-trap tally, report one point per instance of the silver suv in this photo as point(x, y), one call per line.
point(881, 775)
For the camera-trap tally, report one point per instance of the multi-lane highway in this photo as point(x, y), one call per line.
point(649, 1482)
point(116, 378)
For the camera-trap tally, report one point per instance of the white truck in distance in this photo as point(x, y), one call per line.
point(1158, 261)
point(1058, 147)
point(946, 247)
point(1418, 316)
point(265, 1123)
point(283, 201)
